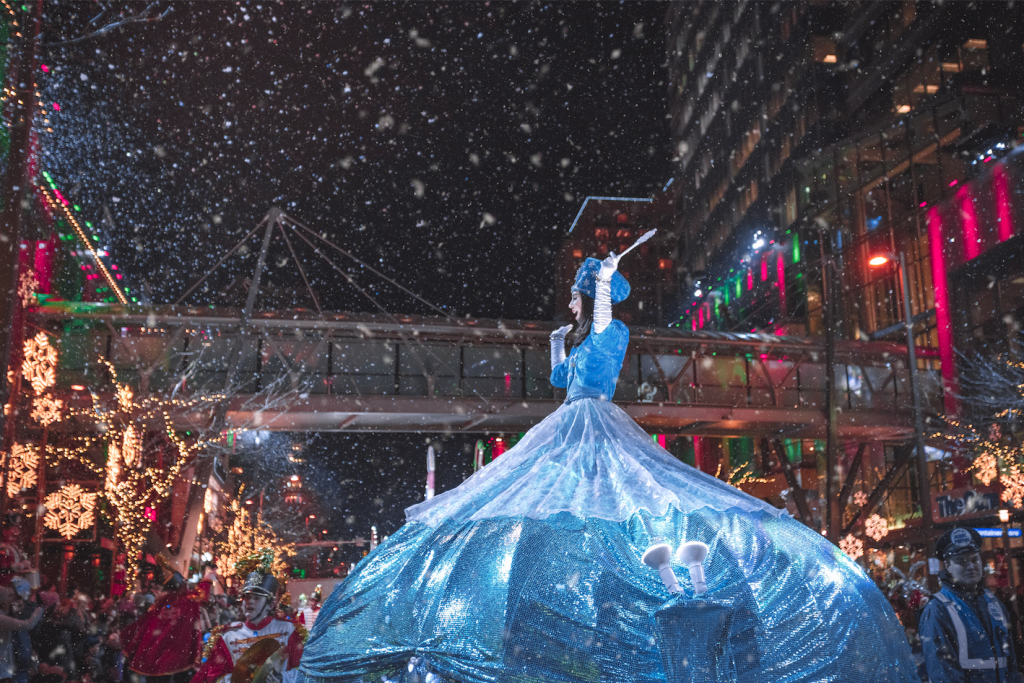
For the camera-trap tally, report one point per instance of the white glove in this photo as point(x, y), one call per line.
point(608, 266)
point(558, 345)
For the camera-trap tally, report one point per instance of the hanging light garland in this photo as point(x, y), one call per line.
point(22, 468)
point(248, 535)
point(70, 510)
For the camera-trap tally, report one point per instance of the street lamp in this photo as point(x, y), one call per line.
point(924, 490)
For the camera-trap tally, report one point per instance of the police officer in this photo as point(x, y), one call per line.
point(965, 630)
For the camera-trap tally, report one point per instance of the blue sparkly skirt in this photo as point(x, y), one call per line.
point(530, 571)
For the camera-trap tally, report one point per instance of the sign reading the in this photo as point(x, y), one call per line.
point(971, 501)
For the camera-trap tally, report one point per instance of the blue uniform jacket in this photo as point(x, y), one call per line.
point(966, 638)
point(592, 368)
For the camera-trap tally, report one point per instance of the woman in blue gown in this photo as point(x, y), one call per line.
point(531, 569)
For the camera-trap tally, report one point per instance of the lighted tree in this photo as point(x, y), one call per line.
point(247, 535)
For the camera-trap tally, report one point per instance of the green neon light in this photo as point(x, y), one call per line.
point(739, 290)
point(796, 250)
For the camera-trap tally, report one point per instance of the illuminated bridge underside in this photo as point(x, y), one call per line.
point(355, 372)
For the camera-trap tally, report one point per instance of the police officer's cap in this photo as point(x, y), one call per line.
point(957, 540)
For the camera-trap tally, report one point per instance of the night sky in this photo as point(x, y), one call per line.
point(449, 144)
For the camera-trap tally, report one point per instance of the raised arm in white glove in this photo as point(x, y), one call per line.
point(558, 345)
point(603, 293)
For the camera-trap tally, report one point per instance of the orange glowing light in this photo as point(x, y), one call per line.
point(878, 260)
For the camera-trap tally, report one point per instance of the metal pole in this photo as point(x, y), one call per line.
point(827, 292)
point(923, 483)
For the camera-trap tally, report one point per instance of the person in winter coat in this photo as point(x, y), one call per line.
point(8, 625)
point(965, 630)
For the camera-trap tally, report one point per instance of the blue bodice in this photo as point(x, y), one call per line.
point(592, 368)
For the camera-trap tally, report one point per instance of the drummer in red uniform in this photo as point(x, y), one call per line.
point(225, 653)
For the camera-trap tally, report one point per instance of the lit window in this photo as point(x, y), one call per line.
point(829, 59)
point(903, 109)
point(622, 218)
point(976, 44)
point(664, 264)
point(577, 253)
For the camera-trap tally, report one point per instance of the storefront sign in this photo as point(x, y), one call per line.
point(971, 501)
point(997, 532)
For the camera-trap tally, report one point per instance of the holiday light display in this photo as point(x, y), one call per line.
point(46, 410)
point(28, 285)
point(247, 536)
point(70, 510)
point(876, 527)
point(986, 467)
point(1013, 485)
point(852, 546)
point(22, 468)
point(860, 499)
point(40, 364)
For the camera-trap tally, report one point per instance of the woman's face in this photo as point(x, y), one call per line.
point(576, 305)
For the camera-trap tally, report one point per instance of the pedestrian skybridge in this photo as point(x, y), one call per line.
point(395, 373)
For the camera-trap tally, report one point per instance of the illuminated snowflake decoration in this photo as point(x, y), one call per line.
point(985, 468)
point(852, 546)
point(1013, 486)
point(40, 364)
point(70, 510)
point(860, 499)
point(876, 527)
point(28, 285)
point(22, 469)
point(46, 410)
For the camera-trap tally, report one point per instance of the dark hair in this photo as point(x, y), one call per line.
point(586, 320)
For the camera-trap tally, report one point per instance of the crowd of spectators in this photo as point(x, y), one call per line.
point(49, 638)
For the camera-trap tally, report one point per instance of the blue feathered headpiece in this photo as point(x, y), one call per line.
point(586, 281)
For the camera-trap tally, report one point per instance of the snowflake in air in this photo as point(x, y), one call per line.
point(70, 510)
point(22, 469)
point(876, 527)
point(1013, 485)
point(40, 364)
point(860, 499)
point(852, 546)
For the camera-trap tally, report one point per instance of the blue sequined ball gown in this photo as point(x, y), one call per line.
point(530, 571)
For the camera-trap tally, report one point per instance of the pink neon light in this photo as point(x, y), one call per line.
point(661, 440)
point(780, 278)
point(969, 223)
point(700, 318)
point(953, 183)
point(56, 107)
point(922, 205)
point(750, 279)
point(764, 269)
point(693, 324)
point(999, 183)
point(44, 68)
point(943, 319)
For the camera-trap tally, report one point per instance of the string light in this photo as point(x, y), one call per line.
point(852, 546)
point(61, 208)
point(70, 510)
point(986, 467)
point(876, 527)
point(40, 364)
point(21, 469)
point(860, 499)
